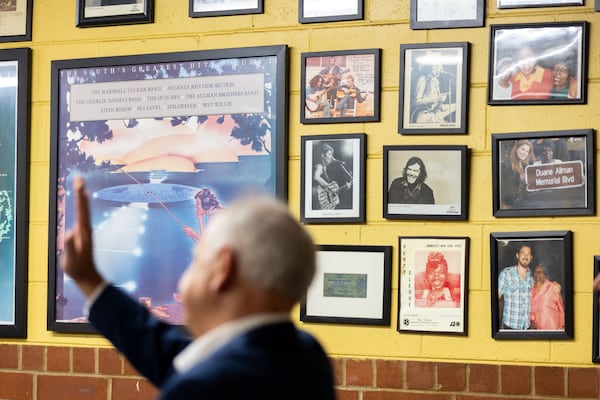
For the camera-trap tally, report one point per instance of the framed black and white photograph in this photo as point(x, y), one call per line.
point(333, 178)
point(212, 8)
point(532, 285)
point(114, 12)
point(596, 317)
point(434, 81)
point(435, 14)
point(340, 86)
point(537, 3)
point(433, 284)
point(16, 17)
point(545, 173)
point(538, 63)
point(352, 285)
point(310, 11)
point(425, 182)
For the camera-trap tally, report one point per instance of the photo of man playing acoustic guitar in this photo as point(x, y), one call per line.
point(332, 181)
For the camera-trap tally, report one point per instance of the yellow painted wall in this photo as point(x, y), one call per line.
point(385, 26)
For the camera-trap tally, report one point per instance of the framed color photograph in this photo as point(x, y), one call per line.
point(543, 173)
point(436, 14)
point(333, 178)
point(434, 79)
point(340, 86)
point(425, 182)
point(16, 20)
point(114, 12)
point(352, 285)
point(14, 180)
point(211, 8)
point(433, 282)
point(596, 318)
point(329, 11)
point(164, 143)
point(537, 3)
point(541, 63)
point(532, 285)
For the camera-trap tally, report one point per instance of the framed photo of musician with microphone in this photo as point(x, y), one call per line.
point(333, 178)
point(434, 78)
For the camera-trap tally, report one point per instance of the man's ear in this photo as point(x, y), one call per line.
point(224, 271)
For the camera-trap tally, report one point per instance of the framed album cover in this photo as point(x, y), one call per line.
point(434, 14)
point(114, 12)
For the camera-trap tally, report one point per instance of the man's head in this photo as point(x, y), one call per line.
point(547, 154)
point(436, 270)
point(527, 60)
point(524, 256)
point(414, 171)
point(561, 74)
point(326, 154)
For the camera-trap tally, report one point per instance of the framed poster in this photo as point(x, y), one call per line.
point(433, 282)
point(537, 3)
point(541, 63)
point(340, 86)
point(596, 317)
point(210, 8)
point(114, 12)
point(14, 180)
point(425, 182)
point(436, 14)
point(333, 178)
point(16, 21)
point(434, 78)
point(352, 285)
point(532, 285)
point(164, 142)
point(330, 11)
point(543, 173)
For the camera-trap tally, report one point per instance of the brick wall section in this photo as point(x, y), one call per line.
point(54, 372)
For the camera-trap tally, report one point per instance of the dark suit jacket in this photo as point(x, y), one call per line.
point(272, 362)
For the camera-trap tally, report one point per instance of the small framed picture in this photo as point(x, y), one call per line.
point(425, 182)
point(543, 173)
point(435, 14)
point(352, 285)
point(340, 86)
point(16, 20)
point(597, 5)
point(212, 8)
point(114, 12)
point(537, 3)
point(329, 11)
point(532, 285)
point(433, 282)
point(434, 78)
point(333, 178)
point(596, 317)
point(540, 63)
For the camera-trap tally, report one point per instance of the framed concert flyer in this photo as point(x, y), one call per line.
point(545, 173)
point(434, 14)
point(596, 317)
point(425, 182)
point(340, 86)
point(210, 8)
point(434, 78)
point(329, 11)
point(538, 63)
point(532, 285)
point(16, 21)
point(14, 180)
point(352, 285)
point(164, 142)
point(537, 3)
point(433, 284)
point(114, 12)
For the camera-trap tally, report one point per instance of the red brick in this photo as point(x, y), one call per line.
point(84, 360)
point(346, 394)
point(129, 370)
point(390, 374)
point(33, 358)
point(452, 377)
point(420, 375)
point(404, 395)
point(583, 382)
point(338, 370)
point(16, 386)
point(57, 359)
point(549, 381)
point(359, 373)
point(71, 387)
point(138, 389)
point(109, 362)
point(483, 378)
point(9, 356)
point(515, 379)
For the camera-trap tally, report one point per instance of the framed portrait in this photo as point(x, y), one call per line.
point(532, 285)
point(330, 11)
point(333, 178)
point(211, 8)
point(164, 142)
point(14, 180)
point(434, 78)
point(545, 173)
point(352, 285)
point(16, 21)
point(425, 182)
point(340, 86)
point(538, 63)
point(433, 282)
point(114, 12)
point(537, 3)
point(435, 14)
point(596, 317)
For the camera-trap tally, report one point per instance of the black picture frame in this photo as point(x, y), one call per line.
point(552, 249)
point(201, 8)
point(352, 285)
point(16, 21)
point(439, 194)
point(538, 185)
point(596, 317)
point(597, 5)
point(339, 160)
point(537, 3)
point(552, 50)
point(224, 111)
point(15, 93)
point(431, 14)
point(92, 13)
point(434, 81)
point(310, 11)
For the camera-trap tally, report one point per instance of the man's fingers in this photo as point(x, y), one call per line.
point(83, 210)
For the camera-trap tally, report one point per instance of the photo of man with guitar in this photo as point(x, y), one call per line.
point(332, 180)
